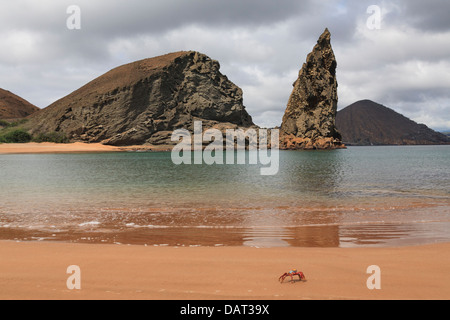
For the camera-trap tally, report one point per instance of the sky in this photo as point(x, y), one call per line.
point(396, 53)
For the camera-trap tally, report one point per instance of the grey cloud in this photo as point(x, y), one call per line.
point(416, 96)
point(261, 45)
point(158, 16)
point(428, 16)
point(118, 18)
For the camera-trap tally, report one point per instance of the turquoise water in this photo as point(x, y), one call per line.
point(362, 196)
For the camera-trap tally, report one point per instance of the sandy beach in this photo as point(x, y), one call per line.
point(38, 270)
point(75, 147)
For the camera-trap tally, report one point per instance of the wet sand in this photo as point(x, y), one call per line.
point(37, 270)
point(76, 147)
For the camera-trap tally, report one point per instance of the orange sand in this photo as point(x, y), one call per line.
point(47, 147)
point(37, 270)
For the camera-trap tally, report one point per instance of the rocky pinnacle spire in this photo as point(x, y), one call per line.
point(309, 119)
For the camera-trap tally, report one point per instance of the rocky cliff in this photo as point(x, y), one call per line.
point(368, 123)
point(13, 107)
point(143, 102)
point(309, 119)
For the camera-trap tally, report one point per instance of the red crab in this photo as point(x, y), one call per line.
point(292, 273)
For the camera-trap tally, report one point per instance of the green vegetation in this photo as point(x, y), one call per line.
point(12, 132)
point(15, 136)
point(6, 124)
point(56, 137)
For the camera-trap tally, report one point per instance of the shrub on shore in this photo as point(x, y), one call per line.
point(11, 132)
point(4, 123)
point(15, 136)
point(56, 137)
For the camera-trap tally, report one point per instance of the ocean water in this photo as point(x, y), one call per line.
point(361, 196)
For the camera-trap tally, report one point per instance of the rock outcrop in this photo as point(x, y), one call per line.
point(144, 101)
point(309, 119)
point(13, 107)
point(368, 123)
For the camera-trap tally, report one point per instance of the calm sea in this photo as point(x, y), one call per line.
point(362, 196)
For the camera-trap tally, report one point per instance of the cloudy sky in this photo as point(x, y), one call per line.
point(401, 60)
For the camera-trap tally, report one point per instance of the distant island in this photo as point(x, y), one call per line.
point(369, 123)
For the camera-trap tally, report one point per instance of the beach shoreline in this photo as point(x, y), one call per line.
point(74, 147)
point(38, 270)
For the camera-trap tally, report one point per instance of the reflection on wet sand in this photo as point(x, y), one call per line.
point(394, 234)
point(313, 226)
point(258, 236)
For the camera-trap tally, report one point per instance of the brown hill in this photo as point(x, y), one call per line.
point(14, 107)
point(368, 123)
point(144, 101)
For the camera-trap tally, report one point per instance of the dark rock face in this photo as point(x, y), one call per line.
point(143, 102)
point(368, 123)
point(309, 119)
point(14, 107)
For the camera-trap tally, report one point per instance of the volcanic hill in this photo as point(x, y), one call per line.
point(144, 101)
point(13, 107)
point(368, 123)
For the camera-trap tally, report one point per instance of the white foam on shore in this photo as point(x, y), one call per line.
point(89, 223)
